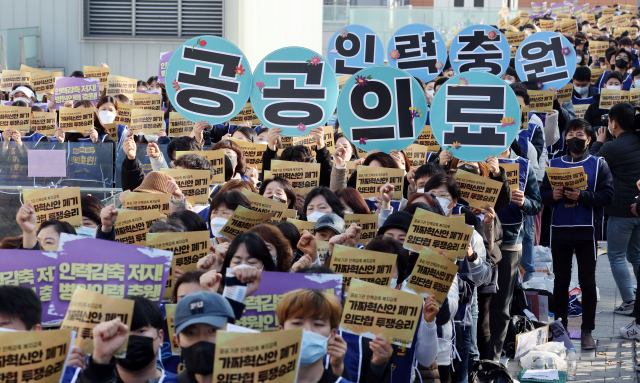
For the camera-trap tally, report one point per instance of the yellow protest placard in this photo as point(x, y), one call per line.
point(242, 220)
point(310, 141)
point(567, 177)
point(512, 170)
point(26, 355)
point(523, 13)
point(372, 310)
point(547, 25)
point(78, 120)
point(565, 93)
point(302, 225)
point(124, 114)
point(581, 109)
point(44, 123)
point(289, 213)
point(43, 82)
point(634, 93)
point(591, 18)
point(252, 152)
point(171, 314)
point(187, 248)
point(477, 190)
point(215, 158)
point(515, 38)
point(514, 50)
point(57, 203)
point(595, 32)
point(367, 222)
point(87, 309)
point(620, 21)
point(323, 250)
point(257, 357)
point(149, 122)
point(247, 114)
point(178, 125)
point(608, 11)
point(303, 176)
point(11, 78)
point(502, 23)
point(147, 201)
point(541, 100)
point(595, 73)
point(371, 179)
point(365, 265)
point(343, 80)
point(432, 275)
point(133, 225)
point(263, 204)
point(437, 232)
point(15, 118)
point(417, 154)
point(611, 97)
point(147, 101)
point(569, 27)
point(616, 32)
point(97, 72)
point(514, 22)
point(426, 138)
point(605, 21)
point(598, 48)
point(193, 183)
point(121, 85)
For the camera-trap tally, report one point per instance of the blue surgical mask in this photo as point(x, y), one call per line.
point(314, 347)
point(636, 83)
point(84, 231)
point(581, 90)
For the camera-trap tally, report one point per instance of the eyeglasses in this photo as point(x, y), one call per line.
point(441, 194)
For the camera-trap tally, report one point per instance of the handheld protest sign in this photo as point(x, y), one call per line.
point(366, 265)
point(210, 79)
point(133, 224)
point(352, 48)
point(433, 274)
point(382, 108)
point(547, 59)
point(437, 232)
point(294, 89)
point(57, 203)
point(162, 67)
point(480, 48)
point(480, 116)
point(15, 118)
point(418, 49)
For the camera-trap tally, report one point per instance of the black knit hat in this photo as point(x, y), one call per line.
point(398, 220)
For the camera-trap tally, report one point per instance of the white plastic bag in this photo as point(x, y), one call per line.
point(551, 360)
point(557, 348)
point(542, 254)
point(539, 284)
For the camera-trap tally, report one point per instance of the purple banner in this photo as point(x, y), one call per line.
point(539, 7)
point(106, 267)
point(260, 313)
point(75, 89)
point(164, 60)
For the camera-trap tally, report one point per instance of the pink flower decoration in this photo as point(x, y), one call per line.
point(344, 32)
point(492, 34)
point(566, 51)
point(438, 65)
point(315, 60)
point(394, 54)
point(361, 80)
point(260, 85)
point(302, 127)
point(363, 140)
point(540, 85)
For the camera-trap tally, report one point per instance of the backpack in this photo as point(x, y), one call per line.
point(488, 371)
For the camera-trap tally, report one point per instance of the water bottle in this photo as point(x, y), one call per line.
point(572, 362)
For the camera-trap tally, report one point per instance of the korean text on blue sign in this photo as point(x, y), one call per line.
point(547, 59)
point(480, 48)
point(352, 48)
point(418, 49)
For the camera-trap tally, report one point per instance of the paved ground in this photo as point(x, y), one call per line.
point(614, 358)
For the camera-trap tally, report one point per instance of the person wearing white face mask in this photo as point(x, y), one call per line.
point(594, 114)
point(621, 62)
point(221, 209)
point(429, 91)
point(321, 201)
point(278, 245)
point(636, 78)
point(510, 76)
point(24, 93)
point(95, 135)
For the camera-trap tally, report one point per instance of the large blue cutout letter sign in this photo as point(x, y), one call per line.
point(352, 48)
point(547, 59)
point(480, 48)
point(418, 49)
point(208, 78)
point(475, 115)
point(294, 89)
point(383, 108)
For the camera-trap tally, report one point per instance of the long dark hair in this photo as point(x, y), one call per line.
point(255, 247)
point(332, 200)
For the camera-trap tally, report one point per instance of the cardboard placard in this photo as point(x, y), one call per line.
point(502, 23)
point(124, 114)
point(605, 21)
point(581, 109)
point(11, 78)
point(417, 154)
point(515, 22)
point(565, 93)
point(44, 123)
point(310, 141)
point(246, 114)
point(528, 340)
point(98, 72)
point(46, 163)
point(57, 203)
point(342, 80)
point(302, 225)
point(608, 11)
point(187, 248)
point(121, 85)
point(512, 170)
point(515, 38)
point(149, 122)
point(477, 190)
point(193, 183)
point(598, 48)
point(437, 232)
point(78, 120)
point(171, 314)
point(547, 25)
point(15, 118)
point(133, 225)
point(44, 82)
point(595, 73)
point(634, 94)
point(39, 351)
point(147, 201)
point(242, 220)
point(372, 310)
point(147, 101)
point(426, 138)
point(367, 222)
point(178, 125)
point(541, 100)
point(87, 309)
point(263, 204)
point(252, 152)
point(611, 97)
point(523, 13)
point(371, 179)
point(433, 274)
point(567, 177)
point(513, 51)
point(365, 265)
point(215, 158)
point(303, 176)
point(616, 32)
point(258, 357)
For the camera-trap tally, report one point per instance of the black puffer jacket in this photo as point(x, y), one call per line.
point(623, 157)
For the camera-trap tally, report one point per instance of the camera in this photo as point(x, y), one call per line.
point(605, 120)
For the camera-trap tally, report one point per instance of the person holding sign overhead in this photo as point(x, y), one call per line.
point(96, 134)
point(577, 223)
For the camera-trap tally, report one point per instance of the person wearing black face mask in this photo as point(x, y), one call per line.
point(145, 341)
point(620, 62)
point(576, 223)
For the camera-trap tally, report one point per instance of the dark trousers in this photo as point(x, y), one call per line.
point(562, 254)
point(499, 309)
point(484, 330)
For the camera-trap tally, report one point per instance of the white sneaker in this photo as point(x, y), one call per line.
point(625, 308)
point(631, 331)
